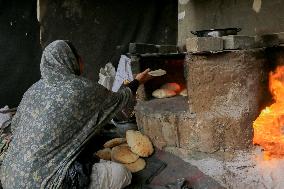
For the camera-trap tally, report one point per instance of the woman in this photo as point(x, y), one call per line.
point(57, 116)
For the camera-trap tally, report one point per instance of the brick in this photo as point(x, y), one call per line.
point(142, 48)
point(238, 42)
point(204, 44)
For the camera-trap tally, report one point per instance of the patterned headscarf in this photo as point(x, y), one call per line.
point(58, 61)
point(54, 120)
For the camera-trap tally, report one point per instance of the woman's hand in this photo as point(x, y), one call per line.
point(143, 77)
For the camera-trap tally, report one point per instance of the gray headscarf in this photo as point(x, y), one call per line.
point(58, 62)
point(55, 119)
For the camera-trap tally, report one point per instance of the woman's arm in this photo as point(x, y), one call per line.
point(115, 102)
point(140, 78)
point(133, 86)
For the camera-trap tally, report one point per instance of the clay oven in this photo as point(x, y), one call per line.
point(226, 91)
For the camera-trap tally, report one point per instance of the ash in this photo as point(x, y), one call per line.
point(243, 169)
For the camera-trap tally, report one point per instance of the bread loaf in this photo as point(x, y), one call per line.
point(123, 154)
point(172, 87)
point(136, 166)
point(163, 93)
point(139, 144)
point(114, 142)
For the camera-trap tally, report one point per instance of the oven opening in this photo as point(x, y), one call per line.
point(173, 64)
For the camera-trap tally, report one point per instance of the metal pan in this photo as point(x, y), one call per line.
point(216, 32)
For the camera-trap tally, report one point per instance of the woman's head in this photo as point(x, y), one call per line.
point(78, 57)
point(59, 59)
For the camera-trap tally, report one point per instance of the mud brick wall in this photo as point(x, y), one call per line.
point(226, 92)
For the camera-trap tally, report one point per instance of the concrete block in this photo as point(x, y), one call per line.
point(238, 42)
point(135, 64)
point(164, 49)
point(204, 44)
point(267, 40)
point(142, 48)
point(280, 37)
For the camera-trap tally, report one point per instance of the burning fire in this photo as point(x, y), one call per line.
point(269, 126)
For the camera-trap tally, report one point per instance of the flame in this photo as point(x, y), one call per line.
point(269, 126)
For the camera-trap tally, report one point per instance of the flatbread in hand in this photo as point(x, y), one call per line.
point(157, 73)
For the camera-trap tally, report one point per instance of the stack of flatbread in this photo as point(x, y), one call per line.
point(128, 151)
point(169, 90)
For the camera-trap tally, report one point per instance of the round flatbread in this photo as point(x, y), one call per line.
point(104, 154)
point(123, 154)
point(114, 142)
point(136, 166)
point(157, 73)
point(171, 86)
point(163, 93)
point(124, 144)
point(183, 92)
point(139, 144)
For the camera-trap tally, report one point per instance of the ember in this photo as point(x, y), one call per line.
point(269, 126)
